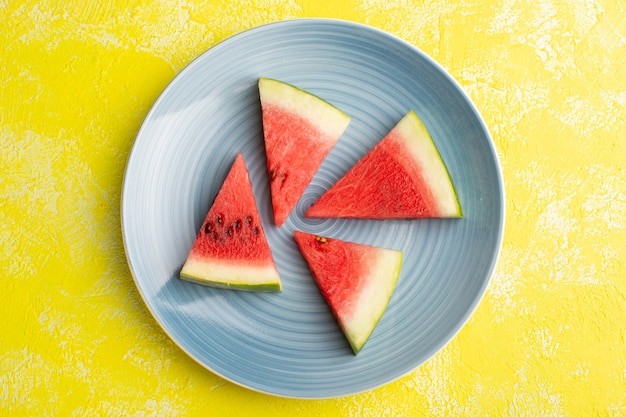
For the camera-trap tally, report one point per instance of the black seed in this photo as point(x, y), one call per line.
point(237, 224)
point(208, 228)
point(230, 231)
point(220, 219)
point(249, 220)
point(256, 230)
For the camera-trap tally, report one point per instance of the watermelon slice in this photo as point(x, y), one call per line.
point(402, 177)
point(356, 280)
point(299, 130)
point(231, 250)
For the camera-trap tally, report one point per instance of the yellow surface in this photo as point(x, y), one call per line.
point(78, 77)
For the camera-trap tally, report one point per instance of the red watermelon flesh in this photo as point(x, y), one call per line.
point(356, 281)
point(231, 249)
point(402, 177)
point(299, 130)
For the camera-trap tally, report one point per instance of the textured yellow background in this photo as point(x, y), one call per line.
point(78, 77)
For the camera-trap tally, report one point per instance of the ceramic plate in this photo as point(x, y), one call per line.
point(288, 344)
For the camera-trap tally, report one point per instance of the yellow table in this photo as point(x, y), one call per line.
point(78, 77)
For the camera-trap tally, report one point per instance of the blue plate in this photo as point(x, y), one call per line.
point(288, 344)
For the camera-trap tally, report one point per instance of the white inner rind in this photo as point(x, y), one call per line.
point(321, 114)
point(422, 148)
point(373, 298)
point(237, 276)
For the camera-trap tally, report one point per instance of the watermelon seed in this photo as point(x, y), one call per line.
point(321, 239)
point(230, 231)
point(215, 236)
point(256, 230)
point(208, 228)
point(249, 220)
point(220, 219)
point(273, 175)
point(237, 224)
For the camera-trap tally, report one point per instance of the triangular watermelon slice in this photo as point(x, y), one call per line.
point(356, 280)
point(402, 177)
point(299, 130)
point(231, 250)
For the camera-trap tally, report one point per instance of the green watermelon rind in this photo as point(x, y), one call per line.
point(427, 144)
point(269, 287)
point(392, 261)
point(290, 96)
point(245, 278)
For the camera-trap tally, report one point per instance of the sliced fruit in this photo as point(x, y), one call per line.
point(402, 177)
point(356, 280)
point(231, 249)
point(299, 129)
